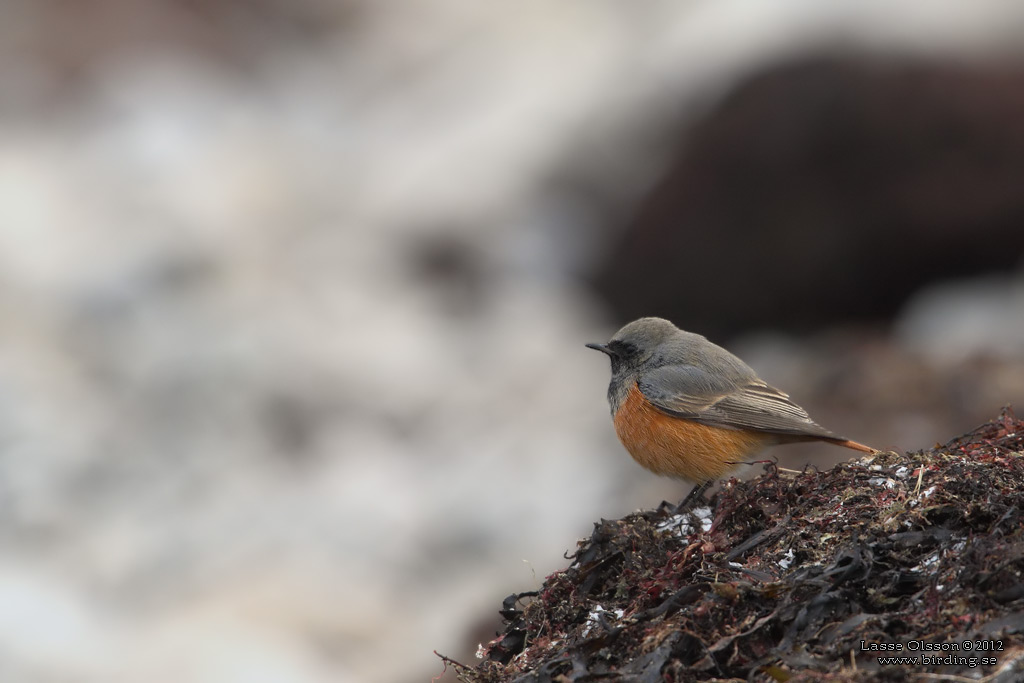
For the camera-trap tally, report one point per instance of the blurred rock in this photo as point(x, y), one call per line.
point(953, 321)
point(827, 189)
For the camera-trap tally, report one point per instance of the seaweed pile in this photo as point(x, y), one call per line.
point(894, 567)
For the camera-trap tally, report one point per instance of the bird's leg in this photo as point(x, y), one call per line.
point(692, 497)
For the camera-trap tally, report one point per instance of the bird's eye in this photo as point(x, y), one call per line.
point(622, 349)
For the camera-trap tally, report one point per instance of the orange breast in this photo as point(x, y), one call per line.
point(675, 447)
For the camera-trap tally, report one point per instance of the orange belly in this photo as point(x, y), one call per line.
point(675, 447)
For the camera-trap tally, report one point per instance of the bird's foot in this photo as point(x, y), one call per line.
point(692, 498)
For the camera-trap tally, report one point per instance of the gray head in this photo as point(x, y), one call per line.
point(648, 344)
point(637, 342)
point(636, 347)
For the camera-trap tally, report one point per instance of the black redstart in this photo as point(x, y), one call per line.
point(686, 408)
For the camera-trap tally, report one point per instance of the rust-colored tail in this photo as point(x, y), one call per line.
point(854, 445)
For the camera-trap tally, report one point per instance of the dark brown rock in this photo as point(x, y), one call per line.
point(828, 189)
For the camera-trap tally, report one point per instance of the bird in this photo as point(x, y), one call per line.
point(686, 408)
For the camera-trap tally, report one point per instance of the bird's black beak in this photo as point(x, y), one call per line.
point(600, 347)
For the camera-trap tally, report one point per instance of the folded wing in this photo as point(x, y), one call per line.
point(736, 403)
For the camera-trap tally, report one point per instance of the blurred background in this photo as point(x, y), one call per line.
point(294, 294)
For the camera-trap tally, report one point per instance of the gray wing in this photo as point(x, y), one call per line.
point(745, 403)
